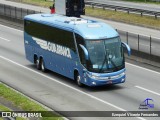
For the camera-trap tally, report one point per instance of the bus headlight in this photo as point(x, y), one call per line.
point(93, 76)
point(105, 78)
point(118, 76)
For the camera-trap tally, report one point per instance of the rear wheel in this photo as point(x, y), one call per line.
point(42, 65)
point(37, 64)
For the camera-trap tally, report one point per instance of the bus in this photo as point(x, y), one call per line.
point(87, 51)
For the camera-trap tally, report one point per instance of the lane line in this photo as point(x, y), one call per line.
point(143, 68)
point(89, 95)
point(5, 39)
point(142, 88)
point(11, 28)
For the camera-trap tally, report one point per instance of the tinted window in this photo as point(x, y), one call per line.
point(80, 40)
point(52, 34)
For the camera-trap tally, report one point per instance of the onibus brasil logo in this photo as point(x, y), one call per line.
point(146, 104)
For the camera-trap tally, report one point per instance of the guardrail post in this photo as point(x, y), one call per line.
point(150, 45)
point(15, 12)
point(4, 9)
point(127, 36)
point(155, 16)
point(21, 14)
point(141, 14)
point(92, 6)
point(10, 11)
point(103, 8)
point(138, 42)
point(128, 11)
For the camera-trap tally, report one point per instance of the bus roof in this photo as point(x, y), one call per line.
point(88, 29)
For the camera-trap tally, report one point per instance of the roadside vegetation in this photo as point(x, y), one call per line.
point(44, 3)
point(145, 1)
point(147, 21)
point(23, 103)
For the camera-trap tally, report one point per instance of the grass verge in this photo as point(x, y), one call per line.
point(43, 3)
point(144, 1)
point(147, 21)
point(22, 102)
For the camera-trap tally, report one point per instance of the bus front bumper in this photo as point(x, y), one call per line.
point(109, 80)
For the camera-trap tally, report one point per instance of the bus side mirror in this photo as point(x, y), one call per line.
point(85, 51)
point(127, 47)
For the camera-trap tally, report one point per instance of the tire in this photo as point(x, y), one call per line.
point(42, 66)
point(78, 80)
point(37, 64)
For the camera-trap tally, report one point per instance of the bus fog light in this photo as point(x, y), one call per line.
point(122, 80)
point(93, 83)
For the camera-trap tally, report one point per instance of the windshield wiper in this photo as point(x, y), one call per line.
point(104, 62)
point(113, 64)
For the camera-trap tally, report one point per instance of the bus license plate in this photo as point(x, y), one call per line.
point(109, 82)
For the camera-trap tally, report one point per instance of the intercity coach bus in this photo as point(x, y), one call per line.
point(87, 51)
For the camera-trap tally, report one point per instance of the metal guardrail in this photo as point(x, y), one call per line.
point(141, 43)
point(125, 9)
point(14, 12)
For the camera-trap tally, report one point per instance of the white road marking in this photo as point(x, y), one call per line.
point(4, 39)
point(143, 68)
point(91, 96)
point(148, 90)
point(11, 28)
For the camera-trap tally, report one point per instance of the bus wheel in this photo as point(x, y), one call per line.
point(37, 64)
point(42, 65)
point(78, 80)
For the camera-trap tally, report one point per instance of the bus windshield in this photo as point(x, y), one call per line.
point(105, 55)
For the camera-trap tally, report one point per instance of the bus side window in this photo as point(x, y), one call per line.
point(68, 40)
point(80, 40)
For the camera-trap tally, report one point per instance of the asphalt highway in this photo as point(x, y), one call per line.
point(62, 94)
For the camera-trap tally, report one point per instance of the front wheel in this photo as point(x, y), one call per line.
point(78, 80)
